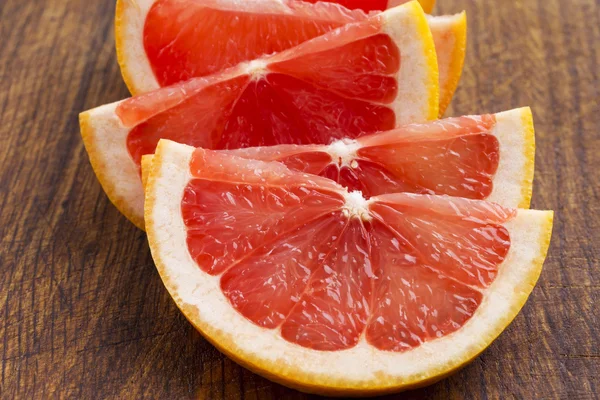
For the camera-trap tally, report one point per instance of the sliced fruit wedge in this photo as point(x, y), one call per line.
point(161, 42)
point(325, 291)
point(487, 157)
point(376, 5)
point(346, 83)
point(479, 157)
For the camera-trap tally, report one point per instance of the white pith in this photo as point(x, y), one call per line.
point(362, 365)
point(343, 152)
point(256, 69)
point(357, 206)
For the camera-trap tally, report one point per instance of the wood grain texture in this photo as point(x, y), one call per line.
point(83, 313)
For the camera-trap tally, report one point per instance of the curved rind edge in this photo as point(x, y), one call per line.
point(88, 134)
point(415, 21)
point(456, 67)
point(529, 154)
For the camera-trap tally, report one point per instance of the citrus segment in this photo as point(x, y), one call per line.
point(408, 287)
point(152, 119)
point(451, 245)
point(202, 210)
point(268, 282)
point(401, 319)
point(362, 69)
point(333, 309)
point(282, 109)
point(161, 42)
point(462, 165)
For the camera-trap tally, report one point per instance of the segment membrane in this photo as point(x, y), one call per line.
point(227, 221)
point(333, 311)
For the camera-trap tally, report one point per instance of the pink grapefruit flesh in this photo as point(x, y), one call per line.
point(178, 47)
point(454, 156)
point(326, 267)
point(314, 93)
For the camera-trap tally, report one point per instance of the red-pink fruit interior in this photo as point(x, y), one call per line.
point(411, 302)
point(187, 38)
point(455, 156)
point(309, 94)
point(290, 256)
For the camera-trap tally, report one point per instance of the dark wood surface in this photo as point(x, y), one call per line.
point(83, 313)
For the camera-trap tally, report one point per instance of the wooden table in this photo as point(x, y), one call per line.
point(83, 313)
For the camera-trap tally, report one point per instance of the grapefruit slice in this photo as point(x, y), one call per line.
point(161, 42)
point(479, 157)
point(364, 77)
point(485, 157)
point(325, 291)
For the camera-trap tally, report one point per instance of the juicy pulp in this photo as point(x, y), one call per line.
point(179, 47)
point(455, 156)
point(281, 99)
point(402, 270)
